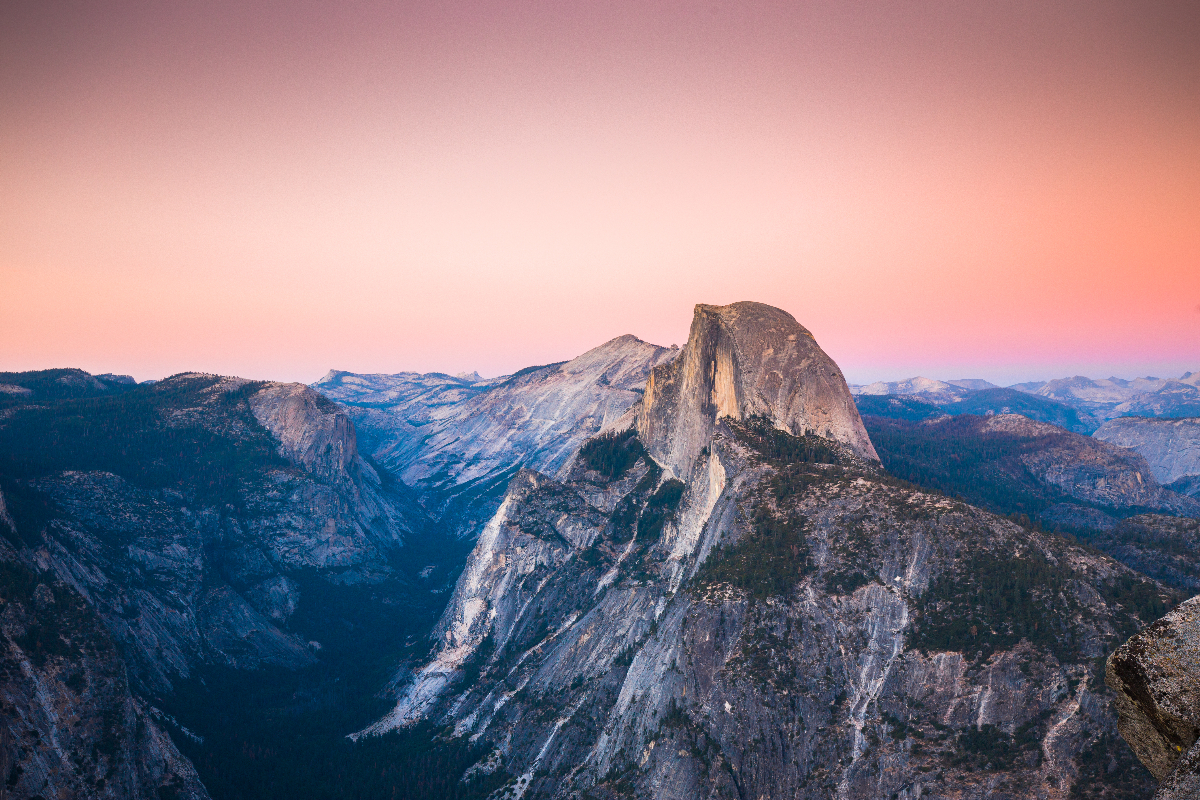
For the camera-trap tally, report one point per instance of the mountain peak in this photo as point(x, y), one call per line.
point(741, 360)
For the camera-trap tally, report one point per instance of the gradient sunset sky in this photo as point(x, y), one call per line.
point(959, 189)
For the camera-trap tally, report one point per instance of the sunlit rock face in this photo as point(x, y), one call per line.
point(312, 432)
point(785, 621)
point(742, 360)
point(457, 441)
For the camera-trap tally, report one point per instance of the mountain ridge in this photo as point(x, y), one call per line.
point(788, 629)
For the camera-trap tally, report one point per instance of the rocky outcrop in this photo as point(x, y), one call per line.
point(744, 360)
point(312, 432)
point(1170, 446)
point(1156, 677)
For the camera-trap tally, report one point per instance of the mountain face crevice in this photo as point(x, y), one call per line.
point(744, 360)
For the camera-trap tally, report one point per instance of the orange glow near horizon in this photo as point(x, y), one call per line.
point(957, 191)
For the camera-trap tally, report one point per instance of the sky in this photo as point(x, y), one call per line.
point(1003, 190)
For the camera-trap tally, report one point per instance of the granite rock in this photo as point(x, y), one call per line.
point(1156, 677)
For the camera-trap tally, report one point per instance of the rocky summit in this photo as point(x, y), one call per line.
point(725, 595)
point(744, 360)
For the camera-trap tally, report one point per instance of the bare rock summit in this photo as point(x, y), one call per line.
point(742, 360)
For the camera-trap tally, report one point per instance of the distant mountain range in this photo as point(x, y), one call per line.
point(1079, 404)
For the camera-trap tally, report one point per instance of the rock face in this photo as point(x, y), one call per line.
point(787, 621)
point(743, 360)
point(1170, 446)
point(178, 529)
point(313, 433)
point(1156, 677)
point(70, 726)
point(458, 442)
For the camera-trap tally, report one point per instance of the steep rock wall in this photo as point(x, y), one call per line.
point(742, 360)
point(591, 669)
point(69, 724)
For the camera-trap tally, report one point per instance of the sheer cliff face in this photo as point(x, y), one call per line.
point(801, 630)
point(69, 724)
point(312, 432)
point(742, 360)
point(787, 621)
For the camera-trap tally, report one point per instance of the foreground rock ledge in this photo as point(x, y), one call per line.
point(1156, 676)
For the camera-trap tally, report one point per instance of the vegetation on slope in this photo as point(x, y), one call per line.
point(767, 562)
point(952, 458)
point(779, 448)
point(137, 435)
point(611, 454)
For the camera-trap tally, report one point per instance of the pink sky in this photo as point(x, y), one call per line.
point(1007, 191)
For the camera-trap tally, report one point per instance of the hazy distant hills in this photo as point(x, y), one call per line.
point(1078, 403)
point(1158, 418)
point(58, 384)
